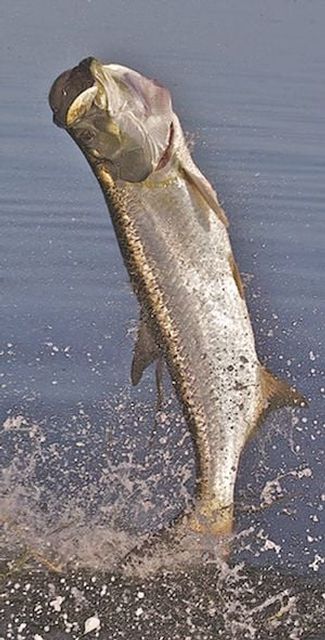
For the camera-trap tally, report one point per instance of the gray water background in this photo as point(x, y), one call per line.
point(247, 80)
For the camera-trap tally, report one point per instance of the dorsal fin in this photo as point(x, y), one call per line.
point(195, 178)
point(278, 393)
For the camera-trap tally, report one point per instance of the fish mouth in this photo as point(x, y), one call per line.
point(117, 116)
point(75, 91)
point(72, 94)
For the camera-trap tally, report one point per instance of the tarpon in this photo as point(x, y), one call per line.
point(173, 237)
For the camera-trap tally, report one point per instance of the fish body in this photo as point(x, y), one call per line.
point(173, 237)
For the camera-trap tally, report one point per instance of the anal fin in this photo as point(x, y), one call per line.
point(278, 393)
point(145, 352)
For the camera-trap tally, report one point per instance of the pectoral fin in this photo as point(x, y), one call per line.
point(197, 180)
point(278, 393)
point(145, 352)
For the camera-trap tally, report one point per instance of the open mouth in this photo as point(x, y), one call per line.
point(73, 93)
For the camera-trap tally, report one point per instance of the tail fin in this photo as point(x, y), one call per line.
point(209, 518)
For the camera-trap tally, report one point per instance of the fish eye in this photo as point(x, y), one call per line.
point(86, 136)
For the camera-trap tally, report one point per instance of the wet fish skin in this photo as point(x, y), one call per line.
point(173, 237)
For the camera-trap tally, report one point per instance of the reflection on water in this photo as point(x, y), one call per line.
point(87, 470)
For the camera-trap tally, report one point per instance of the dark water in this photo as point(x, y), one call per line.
point(78, 447)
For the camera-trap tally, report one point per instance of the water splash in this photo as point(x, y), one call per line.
point(80, 491)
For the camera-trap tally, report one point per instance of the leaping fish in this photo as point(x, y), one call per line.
point(173, 237)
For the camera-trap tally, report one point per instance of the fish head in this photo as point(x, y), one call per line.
point(118, 117)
